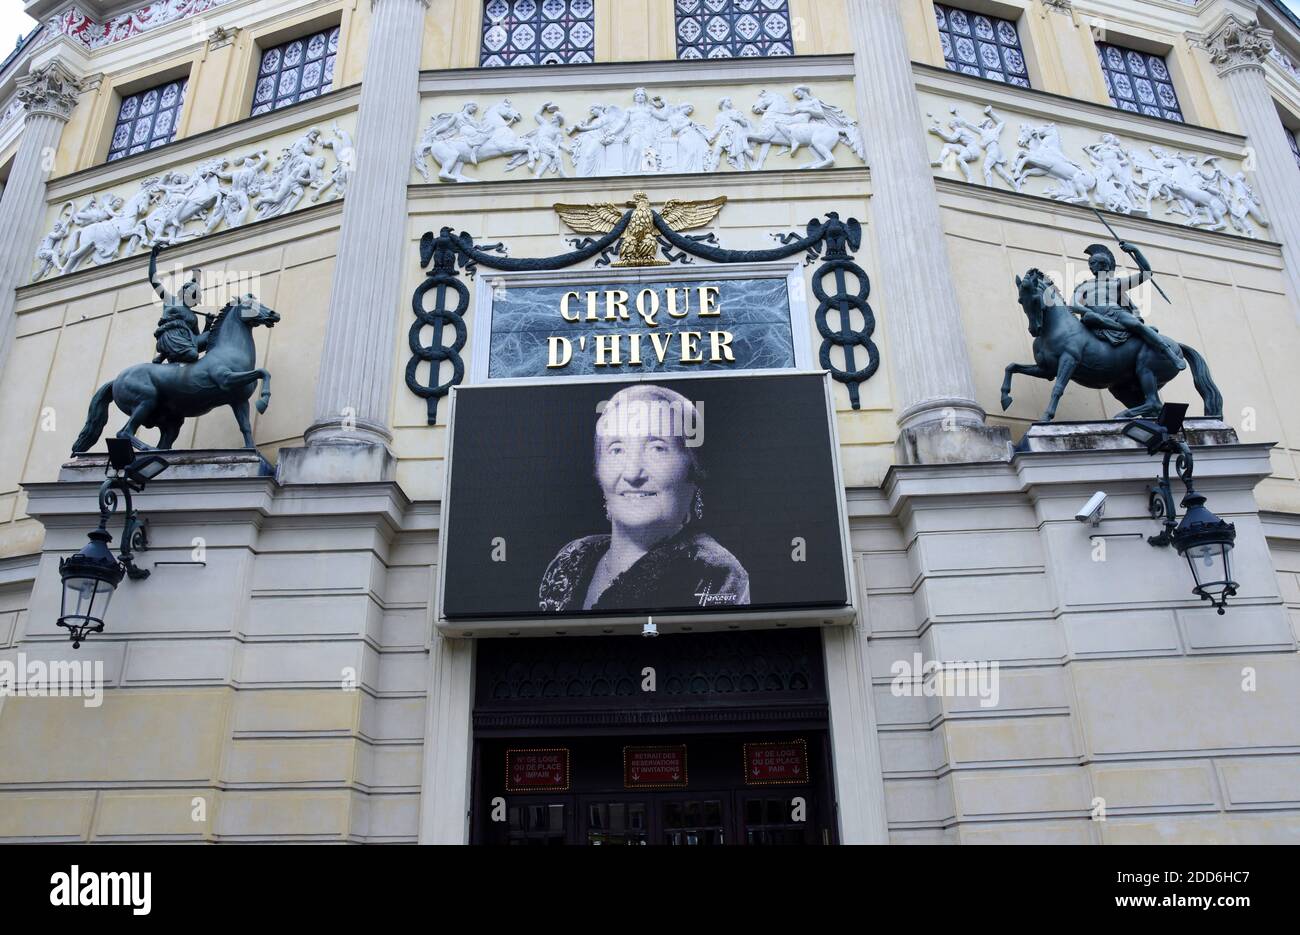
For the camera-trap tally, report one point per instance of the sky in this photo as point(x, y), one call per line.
point(14, 22)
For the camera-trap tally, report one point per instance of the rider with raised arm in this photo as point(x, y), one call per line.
point(1105, 306)
point(178, 337)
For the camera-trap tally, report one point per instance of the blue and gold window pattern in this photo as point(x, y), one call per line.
point(1291, 137)
point(147, 119)
point(1139, 82)
point(538, 32)
point(733, 28)
point(296, 71)
point(983, 46)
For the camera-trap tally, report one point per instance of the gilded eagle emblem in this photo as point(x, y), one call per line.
point(641, 238)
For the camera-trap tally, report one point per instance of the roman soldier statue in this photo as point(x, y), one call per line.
point(1105, 305)
point(178, 337)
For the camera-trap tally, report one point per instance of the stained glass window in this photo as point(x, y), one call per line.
point(1291, 137)
point(733, 28)
point(1139, 82)
point(983, 46)
point(538, 32)
point(147, 119)
point(296, 71)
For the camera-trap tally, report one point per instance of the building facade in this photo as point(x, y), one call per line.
point(469, 206)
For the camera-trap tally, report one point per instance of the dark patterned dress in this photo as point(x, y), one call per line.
point(687, 570)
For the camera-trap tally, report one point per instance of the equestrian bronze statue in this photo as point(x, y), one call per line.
point(1108, 346)
point(193, 373)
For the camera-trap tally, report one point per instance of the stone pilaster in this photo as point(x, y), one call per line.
point(938, 416)
point(48, 95)
point(349, 436)
point(1238, 48)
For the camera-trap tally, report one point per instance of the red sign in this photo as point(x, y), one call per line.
point(776, 764)
point(538, 770)
point(654, 767)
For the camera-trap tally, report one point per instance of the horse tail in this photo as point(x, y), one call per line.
point(96, 418)
point(1205, 385)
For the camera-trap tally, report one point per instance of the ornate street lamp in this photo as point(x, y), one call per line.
point(92, 575)
point(1203, 539)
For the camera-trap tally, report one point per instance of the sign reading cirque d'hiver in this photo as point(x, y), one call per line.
point(629, 317)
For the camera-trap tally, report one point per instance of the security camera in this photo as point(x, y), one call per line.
point(1093, 510)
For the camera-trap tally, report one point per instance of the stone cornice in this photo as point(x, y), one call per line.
point(603, 75)
point(50, 90)
point(1236, 43)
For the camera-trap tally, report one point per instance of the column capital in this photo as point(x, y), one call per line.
point(1238, 43)
point(51, 89)
point(1061, 6)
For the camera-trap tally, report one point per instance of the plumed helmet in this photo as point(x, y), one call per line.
point(1100, 250)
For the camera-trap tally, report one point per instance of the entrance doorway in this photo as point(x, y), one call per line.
point(710, 805)
point(731, 749)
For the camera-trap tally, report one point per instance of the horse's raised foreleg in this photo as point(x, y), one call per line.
point(1029, 370)
point(1064, 370)
point(233, 381)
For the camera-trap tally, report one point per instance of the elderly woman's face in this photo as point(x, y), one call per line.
point(644, 476)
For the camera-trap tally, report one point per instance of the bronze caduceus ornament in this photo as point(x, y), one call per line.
point(640, 246)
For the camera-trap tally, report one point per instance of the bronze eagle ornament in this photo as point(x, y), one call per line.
point(640, 245)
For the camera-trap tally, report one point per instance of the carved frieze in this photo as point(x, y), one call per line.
point(178, 205)
point(646, 135)
point(1148, 180)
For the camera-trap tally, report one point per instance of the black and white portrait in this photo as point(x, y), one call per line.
point(649, 468)
point(625, 498)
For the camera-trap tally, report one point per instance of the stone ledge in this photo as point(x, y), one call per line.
point(1109, 435)
point(186, 464)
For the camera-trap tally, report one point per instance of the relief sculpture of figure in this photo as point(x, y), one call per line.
point(589, 151)
point(1243, 203)
point(967, 142)
point(341, 174)
point(177, 335)
point(456, 139)
point(692, 139)
point(546, 144)
point(809, 122)
point(246, 181)
point(1115, 184)
point(637, 130)
point(731, 129)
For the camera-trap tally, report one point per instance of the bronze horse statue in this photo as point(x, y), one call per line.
point(165, 395)
point(1066, 349)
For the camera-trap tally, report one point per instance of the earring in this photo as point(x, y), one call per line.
point(698, 506)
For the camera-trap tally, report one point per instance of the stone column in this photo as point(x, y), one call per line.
point(1238, 48)
point(48, 95)
point(349, 436)
point(937, 413)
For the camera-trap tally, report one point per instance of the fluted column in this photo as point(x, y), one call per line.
point(48, 95)
point(930, 362)
point(1238, 48)
point(356, 370)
